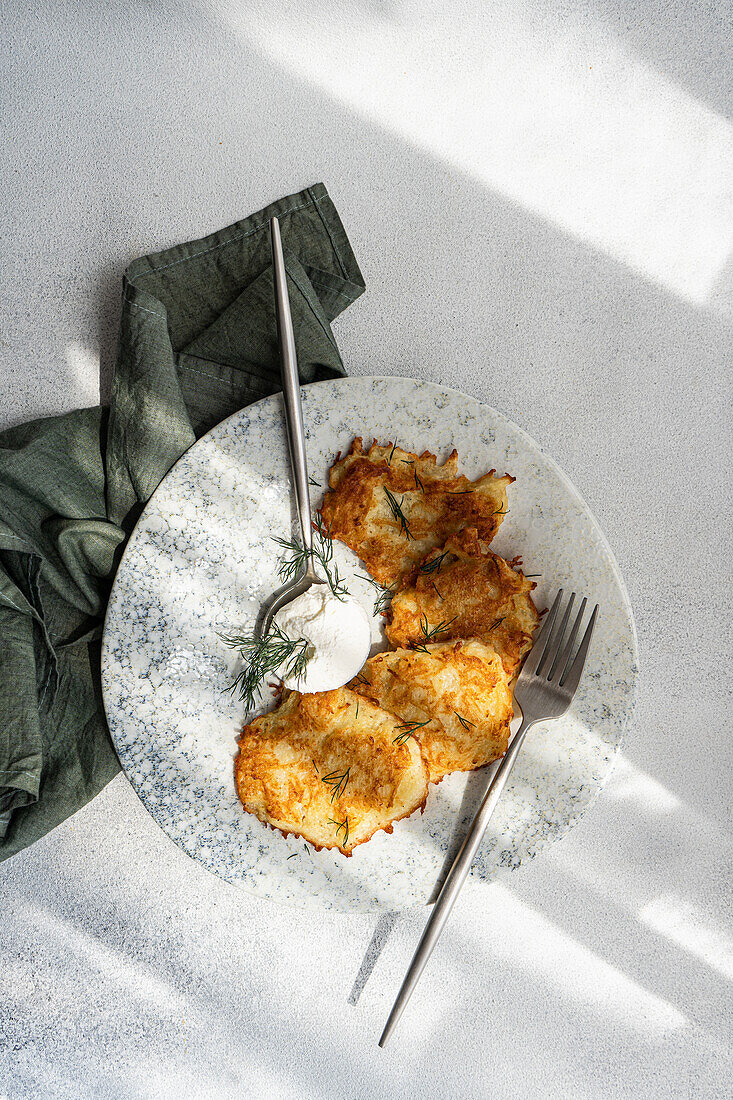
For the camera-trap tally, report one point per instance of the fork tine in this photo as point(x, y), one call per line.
point(571, 676)
point(553, 642)
point(537, 651)
point(560, 635)
point(564, 662)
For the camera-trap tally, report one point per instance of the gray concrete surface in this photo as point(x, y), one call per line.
point(539, 196)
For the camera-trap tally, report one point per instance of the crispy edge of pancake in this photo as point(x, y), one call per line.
point(284, 755)
point(437, 502)
point(429, 685)
point(453, 593)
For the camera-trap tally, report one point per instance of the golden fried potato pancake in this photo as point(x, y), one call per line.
point(392, 507)
point(453, 698)
point(474, 592)
point(331, 767)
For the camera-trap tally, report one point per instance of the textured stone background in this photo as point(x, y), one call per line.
point(547, 188)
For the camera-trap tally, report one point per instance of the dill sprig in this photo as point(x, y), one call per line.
point(296, 559)
point(341, 825)
point(497, 623)
point(459, 492)
point(337, 782)
point(500, 512)
point(263, 656)
point(464, 721)
point(389, 460)
point(429, 634)
point(418, 483)
point(439, 593)
point(395, 508)
point(384, 594)
point(363, 680)
point(434, 564)
point(317, 485)
point(407, 731)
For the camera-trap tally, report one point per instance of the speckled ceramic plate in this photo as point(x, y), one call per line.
point(201, 560)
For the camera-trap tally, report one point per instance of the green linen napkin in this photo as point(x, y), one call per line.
point(197, 342)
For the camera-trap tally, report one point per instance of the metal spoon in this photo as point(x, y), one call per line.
point(296, 437)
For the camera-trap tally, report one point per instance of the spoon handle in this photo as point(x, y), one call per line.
point(291, 392)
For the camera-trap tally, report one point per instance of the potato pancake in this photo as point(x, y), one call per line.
point(331, 767)
point(475, 593)
point(392, 507)
point(452, 698)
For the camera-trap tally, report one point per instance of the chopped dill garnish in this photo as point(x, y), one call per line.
point(317, 484)
point(315, 766)
point(434, 564)
point(357, 709)
point(431, 633)
point(440, 594)
point(293, 855)
point(497, 623)
point(464, 721)
point(363, 679)
point(389, 460)
point(407, 731)
point(296, 560)
point(337, 782)
point(532, 576)
point(500, 512)
point(459, 492)
point(263, 656)
point(396, 510)
point(341, 825)
point(418, 483)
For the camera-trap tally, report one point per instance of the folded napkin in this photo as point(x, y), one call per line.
point(198, 341)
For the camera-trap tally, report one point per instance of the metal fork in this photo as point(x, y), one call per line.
point(544, 690)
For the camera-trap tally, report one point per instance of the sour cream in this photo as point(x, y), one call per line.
point(338, 635)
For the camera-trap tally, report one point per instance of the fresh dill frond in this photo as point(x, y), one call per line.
point(532, 576)
point(317, 485)
point(341, 825)
point(433, 566)
point(357, 710)
point(382, 602)
point(337, 782)
point(464, 721)
point(293, 855)
point(384, 594)
point(363, 680)
point(407, 730)
point(395, 508)
point(439, 593)
point(418, 483)
point(497, 623)
point(500, 512)
point(296, 557)
point(459, 492)
point(262, 657)
point(429, 634)
point(389, 460)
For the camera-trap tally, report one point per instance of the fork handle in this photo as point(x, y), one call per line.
point(291, 393)
point(455, 879)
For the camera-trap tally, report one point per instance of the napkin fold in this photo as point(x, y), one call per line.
point(198, 341)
